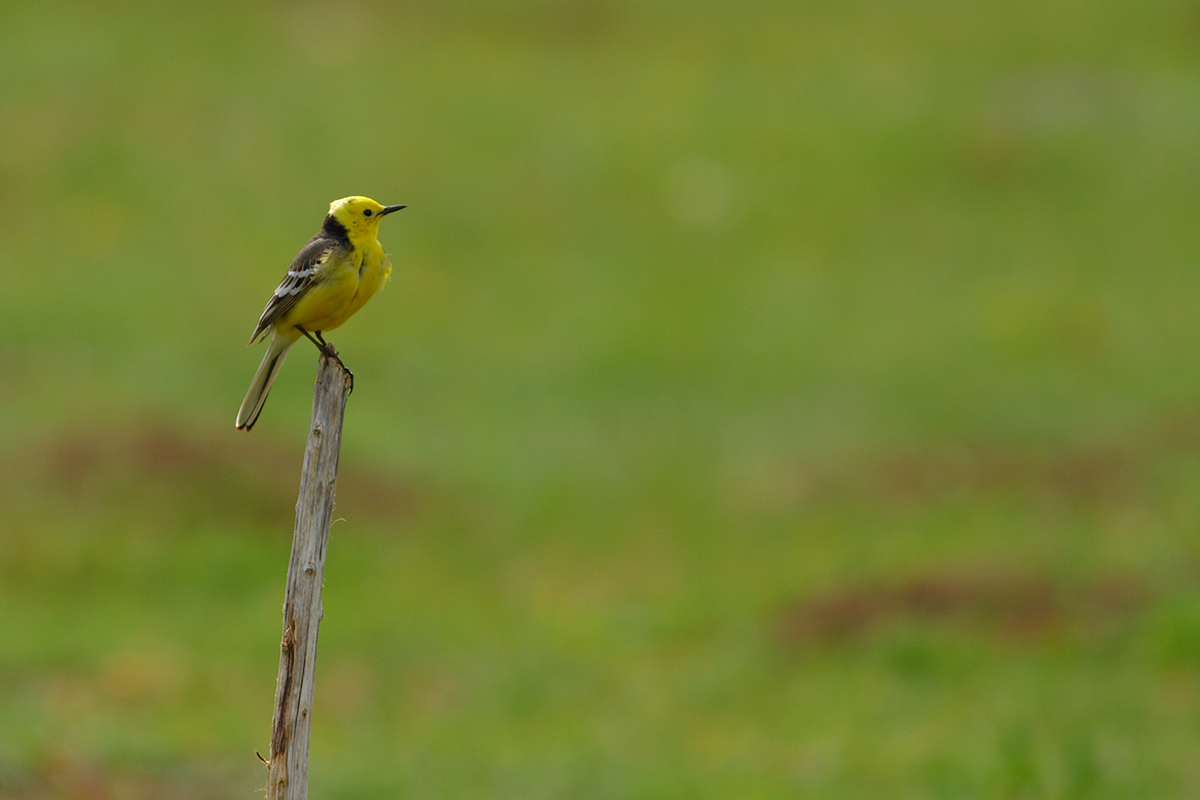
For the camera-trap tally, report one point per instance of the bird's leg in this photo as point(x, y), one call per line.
point(321, 344)
point(327, 350)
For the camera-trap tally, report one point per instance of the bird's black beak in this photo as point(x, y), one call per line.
point(390, 209)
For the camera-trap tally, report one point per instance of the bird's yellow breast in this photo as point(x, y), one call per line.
point(373, 272)
point(344, 284)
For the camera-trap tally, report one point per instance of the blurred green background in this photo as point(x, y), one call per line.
point(771, 400)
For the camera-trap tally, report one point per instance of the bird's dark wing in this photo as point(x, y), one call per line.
point(301, 276)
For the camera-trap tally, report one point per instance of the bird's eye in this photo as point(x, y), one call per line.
point(367, 213)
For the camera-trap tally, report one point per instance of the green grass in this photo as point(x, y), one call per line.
point(772, 400)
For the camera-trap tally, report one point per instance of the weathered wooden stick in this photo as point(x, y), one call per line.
point(287, 769)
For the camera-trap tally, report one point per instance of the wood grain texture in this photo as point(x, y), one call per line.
point(288, 764)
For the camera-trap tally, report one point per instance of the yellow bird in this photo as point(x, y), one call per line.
point(329, 280)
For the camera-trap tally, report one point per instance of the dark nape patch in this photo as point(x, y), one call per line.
point(334, 229)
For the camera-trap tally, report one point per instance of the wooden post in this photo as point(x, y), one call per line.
point(287, 769)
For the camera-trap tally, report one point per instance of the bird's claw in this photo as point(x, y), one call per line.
point(328, 351)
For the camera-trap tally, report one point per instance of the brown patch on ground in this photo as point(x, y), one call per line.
point(60, 777)
point(164, 470)
point(1108, 473)
point(1015, 607)
point(1075, 475)
point(1080, 475)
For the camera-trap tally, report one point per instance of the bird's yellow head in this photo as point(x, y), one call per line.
point(358, 215)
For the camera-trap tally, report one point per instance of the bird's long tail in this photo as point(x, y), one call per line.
point(256, 397)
